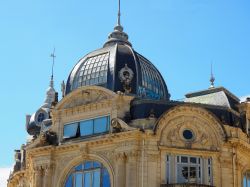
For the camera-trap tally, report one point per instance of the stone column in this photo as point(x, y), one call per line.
point(47, 176)
point(38, 176)
point(131, 169)
point(120, 170)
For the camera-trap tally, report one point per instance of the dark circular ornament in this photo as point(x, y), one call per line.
point(188, 134)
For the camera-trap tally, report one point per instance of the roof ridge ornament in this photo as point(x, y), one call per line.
point(212, 78)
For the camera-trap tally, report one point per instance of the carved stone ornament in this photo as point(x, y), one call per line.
point(86, 97)
point(119, 125)
point(126, 75)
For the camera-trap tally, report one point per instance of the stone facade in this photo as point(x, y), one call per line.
point(134, 157)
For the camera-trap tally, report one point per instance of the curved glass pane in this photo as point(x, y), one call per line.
point(93, 71)
point(152, 82)
point(88, 174)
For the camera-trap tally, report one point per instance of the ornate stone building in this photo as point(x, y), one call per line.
point(117, 127)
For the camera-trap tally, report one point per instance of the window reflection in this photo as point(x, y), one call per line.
point(70, 130)
point(87, 127)
point(152, 85)
point(91, 174)
point(189, 169)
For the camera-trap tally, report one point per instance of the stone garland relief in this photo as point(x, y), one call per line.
point(201, 139)
point(86, 97)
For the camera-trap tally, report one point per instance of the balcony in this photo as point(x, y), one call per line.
point(186, 185)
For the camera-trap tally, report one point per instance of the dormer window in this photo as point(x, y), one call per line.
point(40, 117)
point(87, 128)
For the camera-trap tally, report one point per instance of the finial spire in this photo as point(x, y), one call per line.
point(118, 27)
point(118, 36)
point(119, 13)
point(212, 78)
point(53, 56)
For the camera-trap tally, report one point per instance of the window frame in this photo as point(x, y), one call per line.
point(173, 165)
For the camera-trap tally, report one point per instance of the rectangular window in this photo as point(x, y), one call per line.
point(87, 127)
point(188, 169)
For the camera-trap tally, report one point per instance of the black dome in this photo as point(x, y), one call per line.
point(118, 67)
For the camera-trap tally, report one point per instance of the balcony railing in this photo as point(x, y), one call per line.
point(185, 185)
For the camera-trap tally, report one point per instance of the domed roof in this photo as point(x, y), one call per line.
point(118, 67)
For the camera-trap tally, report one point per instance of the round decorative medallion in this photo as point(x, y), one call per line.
point(126, 75)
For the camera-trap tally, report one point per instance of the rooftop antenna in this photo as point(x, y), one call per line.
point(53, 56)
point(212, 78)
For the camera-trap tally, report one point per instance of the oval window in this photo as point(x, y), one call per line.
point(188, 134)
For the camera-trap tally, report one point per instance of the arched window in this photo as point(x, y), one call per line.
point(88, 174)
point(246, 179)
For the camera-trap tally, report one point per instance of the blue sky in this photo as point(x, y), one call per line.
point(181, 37)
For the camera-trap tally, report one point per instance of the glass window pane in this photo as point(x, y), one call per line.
point(88, 165)
point(244, 181)
point(70, 130)
point(100, 125)
point(96, 165)
point(86, 127)
point(78, 179)
point(193, 160)
point(78, 168)
point(182, 174)
point(87, 179)
point(184, 159)
point(105, 178)
point(96, 179)
point(69, 182)
point(193, 175)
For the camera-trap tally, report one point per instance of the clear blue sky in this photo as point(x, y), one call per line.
point(181, 37)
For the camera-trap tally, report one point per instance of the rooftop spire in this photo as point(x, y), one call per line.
point(50, 93)
point(118, 27)
point(118, 36)
point(212, 78)
point(53, 56)
point(119, 13)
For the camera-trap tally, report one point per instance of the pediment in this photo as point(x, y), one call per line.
point(85, 96)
